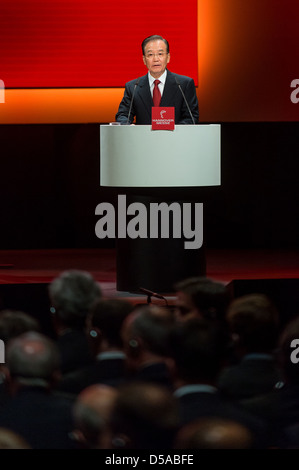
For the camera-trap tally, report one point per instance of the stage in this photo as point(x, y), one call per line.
point(25, 275)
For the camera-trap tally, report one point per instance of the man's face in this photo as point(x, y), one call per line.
point(156, 57)
point(184, 307)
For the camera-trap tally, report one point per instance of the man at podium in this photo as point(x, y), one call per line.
point(159, 87)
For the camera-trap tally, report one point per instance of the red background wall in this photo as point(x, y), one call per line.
point(242, 54)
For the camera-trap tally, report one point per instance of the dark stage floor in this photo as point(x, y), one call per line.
point(223, 264)
point(25, 274)
point(23, 266)
point(227, 266)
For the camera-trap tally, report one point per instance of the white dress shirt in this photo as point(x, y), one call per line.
point(161, 84)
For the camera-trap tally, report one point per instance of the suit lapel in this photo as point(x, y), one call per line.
point(145, 94)
point(170, 89)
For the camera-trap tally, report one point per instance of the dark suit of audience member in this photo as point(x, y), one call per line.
point(34, 412)
point(253, 322)
point(198, 347)
point(109, 361)
point(280, 406)
point(146, 341)
point(73, 295)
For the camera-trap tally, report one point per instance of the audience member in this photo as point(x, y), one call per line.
point(145, 416)
point(198, 347)
point(43, 419)
point(91, 411)
point(253, 322)
point(73, 294)
point(216, 373)
point(280, 406)
point(11, 440)
point(145, 335)
point(15, 322)
point(214, 433)
point(12, 324)
point(201, 297)
point(104, 336)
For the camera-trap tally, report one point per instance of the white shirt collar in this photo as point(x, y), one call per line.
point(162, 78)
point(110, 355)
point(194, 388)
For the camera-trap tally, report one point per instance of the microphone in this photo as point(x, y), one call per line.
point(152, 294)
point(131, 104)
point(179, 85)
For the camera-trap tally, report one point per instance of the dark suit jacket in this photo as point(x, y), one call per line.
point(250, 377)
point(74, 350)
point(172, 96)
point(105, 371)
point(42, 418)
point(280, 409)
point(195, 405)
point(156, 373)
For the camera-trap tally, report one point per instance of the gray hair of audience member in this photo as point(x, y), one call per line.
point(73, 294)
point(32, 359)
point(16, 322)
point(152, 326)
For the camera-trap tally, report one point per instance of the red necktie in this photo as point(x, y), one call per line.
point(156, 93)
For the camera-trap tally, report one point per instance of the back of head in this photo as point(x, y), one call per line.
point(32, 359)
point(199, 347)
point(145, 416)
point(150, 327)
point(214, 433)
point(107, 316)
point(254, 323)
point(15, 322)
point(73, 294)
point(91, 412)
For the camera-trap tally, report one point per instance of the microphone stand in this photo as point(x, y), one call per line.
point(151, 294)
point(183, 94)
point(131, 104)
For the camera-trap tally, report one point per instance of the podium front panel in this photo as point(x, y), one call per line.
point(137, 156)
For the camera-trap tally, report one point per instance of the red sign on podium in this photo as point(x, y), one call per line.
point(163, 118)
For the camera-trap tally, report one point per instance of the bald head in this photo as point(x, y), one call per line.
point(91, 412)
point(11, 440)
point(214, 433)
point(32, 356)
point(145, 416)
point(98, 398)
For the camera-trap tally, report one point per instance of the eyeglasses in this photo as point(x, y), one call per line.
point(150, 55)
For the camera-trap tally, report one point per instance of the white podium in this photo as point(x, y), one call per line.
point(134, 158)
